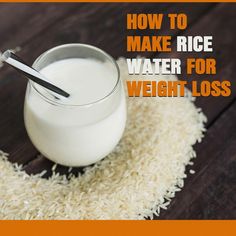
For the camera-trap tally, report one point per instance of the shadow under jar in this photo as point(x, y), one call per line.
point(84, 128)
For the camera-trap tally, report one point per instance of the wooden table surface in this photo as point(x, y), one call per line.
point(208, 194)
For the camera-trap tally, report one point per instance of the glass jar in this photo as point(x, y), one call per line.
point(75, 134)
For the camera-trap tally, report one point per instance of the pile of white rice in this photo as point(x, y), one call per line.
point(138, 179)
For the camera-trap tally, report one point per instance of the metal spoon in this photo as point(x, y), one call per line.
point(10, 58)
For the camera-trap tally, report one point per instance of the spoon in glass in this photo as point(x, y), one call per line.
point(10, 58)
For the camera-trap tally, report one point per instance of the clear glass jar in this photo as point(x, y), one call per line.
point(75, 134)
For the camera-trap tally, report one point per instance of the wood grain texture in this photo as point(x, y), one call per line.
point(20, 22)
point(224, 36)
point(103, 25)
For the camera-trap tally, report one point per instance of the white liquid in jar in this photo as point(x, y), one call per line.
point(77, 135)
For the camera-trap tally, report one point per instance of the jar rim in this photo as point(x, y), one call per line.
point(57, 102)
